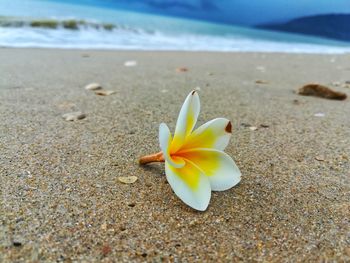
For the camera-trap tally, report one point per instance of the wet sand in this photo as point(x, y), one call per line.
point(61, 200)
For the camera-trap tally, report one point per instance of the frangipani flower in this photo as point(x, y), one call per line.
point(195, 163)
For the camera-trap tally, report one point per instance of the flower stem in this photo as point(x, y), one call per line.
point(156, 157)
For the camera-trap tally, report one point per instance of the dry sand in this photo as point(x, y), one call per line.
point(60, 197)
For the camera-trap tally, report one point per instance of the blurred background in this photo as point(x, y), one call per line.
point(308, 26)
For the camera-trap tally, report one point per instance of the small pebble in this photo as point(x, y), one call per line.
point(246, 125)
point(127, 179)
point(130, 63)
point(320, 158)
point(74, 116)
point(253, 128)
point(319, 114)
point(182, 69)
point(321, 91)
point(106, 249)
point(93, 86)
point(296, 102)
point(261, 82)
point(104, 92)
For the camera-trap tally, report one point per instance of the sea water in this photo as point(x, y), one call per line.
point(139, 31)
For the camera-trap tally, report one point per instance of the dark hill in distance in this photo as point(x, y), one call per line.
point(333, 26)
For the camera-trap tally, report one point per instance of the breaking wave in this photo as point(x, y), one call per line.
point(89, 34)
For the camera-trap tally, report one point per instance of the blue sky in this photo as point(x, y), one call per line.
point(245, 12)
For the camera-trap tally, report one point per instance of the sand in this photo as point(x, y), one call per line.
point(60, 197)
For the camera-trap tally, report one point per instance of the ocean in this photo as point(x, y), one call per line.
point(55, 24)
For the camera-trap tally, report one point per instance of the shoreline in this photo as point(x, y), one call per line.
point(176, 51)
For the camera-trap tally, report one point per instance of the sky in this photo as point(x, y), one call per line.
point(241, 12)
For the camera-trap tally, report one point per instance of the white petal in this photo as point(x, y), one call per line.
point(219, 167)
point(190, 185)
point(213, 134)
point(187, 120)
point(165, 142)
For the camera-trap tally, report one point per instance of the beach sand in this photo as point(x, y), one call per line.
point(61, 200)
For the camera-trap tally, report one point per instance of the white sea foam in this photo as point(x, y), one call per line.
point(138, 40)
